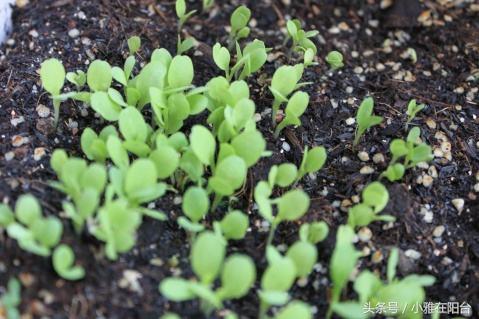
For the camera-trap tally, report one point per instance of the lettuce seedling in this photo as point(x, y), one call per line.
point(52, 75)
point(296, 106)
point(365, 118)
point(33, 232)
point(291, 206)
point(77, 78)
point(83, 183)
point(285, 81)
point(229, 175)
point(234, 225)
point(294, 310)
point(301, 39)
point(94, 145)
point(335, 60)
point(276, 281)
point(183, 16)
point(412, 109)
point(374, 199)
point(63, 262)
point(116, 225)
point(343, 262)
point(373, 292)
point(239, 25)
point(304, 255)
point(413, 152)
point(134, 44)
point(196, 204)
point(208, 4)
point(313, 160)
point(135, 131)
point(10, 300)
point(208, 261)
point(99, 76)
point(314, 233)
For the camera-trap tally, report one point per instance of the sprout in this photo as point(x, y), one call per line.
point(335, 60)
point(52, 74)
point(239, 21)
point(412, 109)
point(63, 259)
point(365, 119)
point(301, 39)
point(11, 299)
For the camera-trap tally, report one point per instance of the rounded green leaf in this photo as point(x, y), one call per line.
point(140, 175)
point(395, 172)
point(47, 231)
point(360, 215)
point(27, 209)
point(134, 44)
point(103, 105)
point(195, 203)
point(99, 76)
point(207, 254)
point(234, 225)
point(132, 124)
point(221, 56)
point(180, 72)
point(94, 177)
point(279, 276)
point(315, 159)
point(249, 145)
point(239, 18)
point(295, 310)
point(117, 152)
point(59, 157)
point(203, 144)
point(166, 160)
point(6, 215)
point(293, 205)
point(230, 175)
point(286, 174)
point(63, 262)
point(238, 277)
point(335, 59)
point(314, 232)
point(283, 83)
point(176, 289)
point(304, 255)
point(298, 103)
point(376, 195)
point(52, 74)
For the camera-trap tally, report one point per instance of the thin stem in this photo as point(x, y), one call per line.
point(271, 234)
point(216, 202)
point(263, 309)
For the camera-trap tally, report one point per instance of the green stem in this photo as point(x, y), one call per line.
point(56, 110)
point(271, 234)
point(274, 112)
point(263, 309)
point(216, 202)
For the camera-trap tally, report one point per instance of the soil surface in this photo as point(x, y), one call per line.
point(435, 233)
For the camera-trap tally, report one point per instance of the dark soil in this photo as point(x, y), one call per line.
point(447, 58)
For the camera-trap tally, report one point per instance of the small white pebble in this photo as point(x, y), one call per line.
point(38, 153)
point(413, 254)
point(286, 147)
point(350, 121)
point(363, 156)
point(366, 170)
point(43, 111)
point(19, 140)
point(74, 33)
point(378, 158)
point(438, 231)
point(458, 204)
point(365, 234)
point(9, 156)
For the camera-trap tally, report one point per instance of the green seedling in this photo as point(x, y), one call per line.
point(183, 16)
point(94, 146)
point(412, 109)
point(304, 255)
point(285, 81)
point(372, 291)
point(135, 131)
point(313, 160)
point(365, 118)
point(63, 262)
point(234, 225)
point(10, 300)
point(134, 44)
point(237, 274)
point(33, 232)
point(116, 225)
point(77, 78)
point(343, 262)
point(300, 38)
point(308, 58)
point(229, 176)
point(413, 152)
point(277, 280)
point(239, 25)
point(294, 310)
point(335, 60)
point(374, 199)
point(196, 204)
point(314, 233)
point(207, 4)
point(83, 183)
point(52, 75)
point(296, 106)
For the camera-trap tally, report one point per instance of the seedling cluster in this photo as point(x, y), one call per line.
point(146, 151)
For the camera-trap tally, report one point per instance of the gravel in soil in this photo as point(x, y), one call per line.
point(436, 205)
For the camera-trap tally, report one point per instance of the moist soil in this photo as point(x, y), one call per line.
point(435, 236)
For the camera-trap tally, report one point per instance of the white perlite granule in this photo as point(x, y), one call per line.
point(5, 18)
